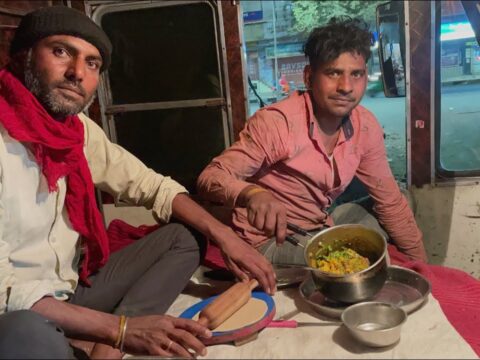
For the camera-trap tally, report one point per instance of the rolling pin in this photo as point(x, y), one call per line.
point(226, 304)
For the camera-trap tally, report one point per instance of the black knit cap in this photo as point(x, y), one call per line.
point(60, 20)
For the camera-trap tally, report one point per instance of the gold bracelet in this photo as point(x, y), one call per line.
point(121, 330)
point(253, 191)
point(123, 335)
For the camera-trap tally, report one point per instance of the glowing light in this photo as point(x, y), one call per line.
point(455, 31)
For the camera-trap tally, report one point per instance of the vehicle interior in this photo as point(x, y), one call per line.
point(216, 64)
point(186, 76)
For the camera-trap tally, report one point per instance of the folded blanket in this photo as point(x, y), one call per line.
point(121, 234)
point(457, 292)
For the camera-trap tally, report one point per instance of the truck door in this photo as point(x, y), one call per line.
point(164, 97)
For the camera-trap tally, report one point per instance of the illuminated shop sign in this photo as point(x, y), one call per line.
point(455, 31)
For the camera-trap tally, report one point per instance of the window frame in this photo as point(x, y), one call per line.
point(108, 110)
point(442, 174)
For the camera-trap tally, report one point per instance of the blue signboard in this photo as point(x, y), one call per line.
point(253, 15)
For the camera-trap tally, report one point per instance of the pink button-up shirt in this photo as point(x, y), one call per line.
point(280, 149)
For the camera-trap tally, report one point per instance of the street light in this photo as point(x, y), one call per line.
point(275, 62)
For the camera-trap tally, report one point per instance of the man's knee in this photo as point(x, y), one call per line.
point(25, 334)
point(349, 213)
point(187, 238)
point(182, 239)
point(352, 213)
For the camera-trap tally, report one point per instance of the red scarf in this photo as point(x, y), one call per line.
point(58, 150)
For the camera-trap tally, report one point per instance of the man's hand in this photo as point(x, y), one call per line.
point(241, 258)
point(165, 336)
point(159, 335)
point(265, 212)
point(246, 262)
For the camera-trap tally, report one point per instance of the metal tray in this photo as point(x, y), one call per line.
point(403, 287)
point(288, 276)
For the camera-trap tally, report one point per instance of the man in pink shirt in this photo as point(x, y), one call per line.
point(295, 157)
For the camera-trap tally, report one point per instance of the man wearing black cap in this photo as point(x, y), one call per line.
point(56, 275)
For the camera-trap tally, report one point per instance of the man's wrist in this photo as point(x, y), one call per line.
point(112, 330)
point(221, 234)
point(121, 330)
point(254, 190)
point(248, 192)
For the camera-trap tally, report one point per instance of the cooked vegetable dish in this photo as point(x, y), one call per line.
point(343, 261)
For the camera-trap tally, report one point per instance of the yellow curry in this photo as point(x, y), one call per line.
point(343, 261)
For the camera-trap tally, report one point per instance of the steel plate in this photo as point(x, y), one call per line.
point(289, 276)
point(404, 288)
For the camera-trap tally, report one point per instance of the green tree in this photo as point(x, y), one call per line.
point(310, 14)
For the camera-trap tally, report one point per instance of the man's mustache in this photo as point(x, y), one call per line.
point(71, 85)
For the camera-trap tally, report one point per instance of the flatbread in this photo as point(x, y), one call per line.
point(250, 313)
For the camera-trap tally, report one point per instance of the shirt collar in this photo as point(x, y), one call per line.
point(347, 127)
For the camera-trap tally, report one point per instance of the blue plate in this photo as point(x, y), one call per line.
point(194, 309)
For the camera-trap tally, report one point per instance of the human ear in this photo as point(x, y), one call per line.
point(17, 63)
point(307, 76)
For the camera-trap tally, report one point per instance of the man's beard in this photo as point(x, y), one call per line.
point(58, 106)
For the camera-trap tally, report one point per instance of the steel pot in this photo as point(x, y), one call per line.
point(356, 287)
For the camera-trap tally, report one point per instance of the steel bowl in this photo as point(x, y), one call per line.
point(374, 324)
point(359, 286)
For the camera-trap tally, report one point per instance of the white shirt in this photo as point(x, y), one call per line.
point(38, 248)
